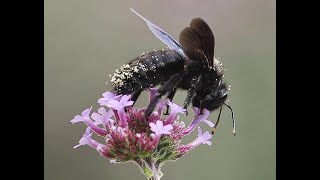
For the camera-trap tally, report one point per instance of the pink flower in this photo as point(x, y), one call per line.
point(106, 97)
point(119, 107)
point(159, 129)
point(175, 109)
point(102, 117)
point(203, 138)
point(197, 119)
point(86, 119)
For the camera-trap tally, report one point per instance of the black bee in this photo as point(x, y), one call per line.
point(188, 65)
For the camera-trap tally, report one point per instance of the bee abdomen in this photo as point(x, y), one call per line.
point(147, 70)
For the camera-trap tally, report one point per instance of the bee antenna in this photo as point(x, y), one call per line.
point(233, 119)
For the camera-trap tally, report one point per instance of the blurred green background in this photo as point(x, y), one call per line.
point(86, 40)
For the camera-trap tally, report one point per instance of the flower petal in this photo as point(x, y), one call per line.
point(77, 119)
point(113, 104)
point(199, 132)
point(153, 127)
point(102, 111)
point(167, 128)
point(85, 138)
point(208, 143)
point(97, 118)
point(85, 113)
point(108, 95)
point(209, 123)
point(125, 98)
point(129, 103)
point(176, 108)
point(159, 124)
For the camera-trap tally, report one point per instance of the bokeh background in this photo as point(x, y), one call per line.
point(86, 40)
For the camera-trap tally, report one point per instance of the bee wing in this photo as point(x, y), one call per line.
point(206, 37)
point(191, 44)
point(197, 41)
point(162, 35)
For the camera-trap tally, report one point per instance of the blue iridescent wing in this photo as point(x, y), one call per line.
point(162, 35)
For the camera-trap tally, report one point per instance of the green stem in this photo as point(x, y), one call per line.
point(150, 168)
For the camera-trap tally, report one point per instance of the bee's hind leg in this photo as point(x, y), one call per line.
point(167, 87)
point(170, 97)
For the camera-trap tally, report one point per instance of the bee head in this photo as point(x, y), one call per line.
point(214, 98)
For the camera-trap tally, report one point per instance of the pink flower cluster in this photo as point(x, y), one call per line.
point(129, 135)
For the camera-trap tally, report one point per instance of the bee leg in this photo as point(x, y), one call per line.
point(170, 97)
point(164, 89)
point(191, 93)
point(135, 95)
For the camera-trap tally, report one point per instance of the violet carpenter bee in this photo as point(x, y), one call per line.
point(188, 65)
